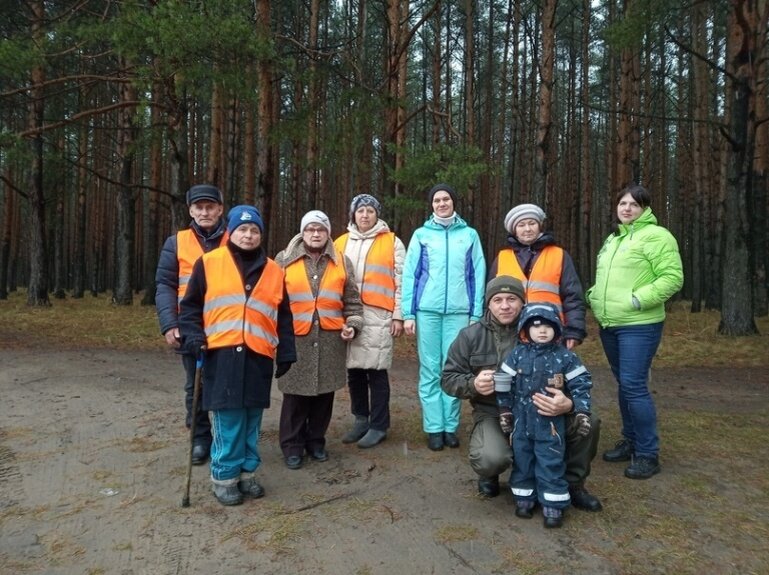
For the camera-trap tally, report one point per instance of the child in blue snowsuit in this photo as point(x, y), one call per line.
point(538, 441)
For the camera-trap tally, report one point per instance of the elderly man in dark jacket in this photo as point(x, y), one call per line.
point(180, 251)
point(237, 307)
point(472, 359)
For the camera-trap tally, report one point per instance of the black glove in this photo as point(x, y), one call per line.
point(582, 424)
point(506, 422)
point(194, 346)
point(281, 368)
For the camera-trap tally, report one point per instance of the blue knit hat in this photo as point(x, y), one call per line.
point(244, 215)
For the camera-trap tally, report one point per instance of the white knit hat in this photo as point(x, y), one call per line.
point(523, 212)
point(316, 217)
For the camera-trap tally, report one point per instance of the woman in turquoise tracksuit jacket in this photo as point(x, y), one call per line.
point(442, 291)
point(639, 269)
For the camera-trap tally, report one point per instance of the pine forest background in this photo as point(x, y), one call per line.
point(110, 110)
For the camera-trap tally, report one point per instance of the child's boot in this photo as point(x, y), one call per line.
point(553, 517)
point(524, 509)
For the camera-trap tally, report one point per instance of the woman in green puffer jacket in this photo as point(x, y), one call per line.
point(638, 270)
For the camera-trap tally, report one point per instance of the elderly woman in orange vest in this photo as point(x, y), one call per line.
point(327, 315)
point(377, 255)
point(236, 309)
point(546, 270)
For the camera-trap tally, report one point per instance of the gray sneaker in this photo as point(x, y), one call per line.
point(372, 437)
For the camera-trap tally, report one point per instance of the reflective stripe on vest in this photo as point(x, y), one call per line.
point(328, 304)
point(188, 251)
point(229, 319)
point(544, 283)
point(378, 285)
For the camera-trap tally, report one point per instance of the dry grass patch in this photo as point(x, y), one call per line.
point(276, 533)
point(145, 444)
point(456, 532)
point(690, 340)
point(77, 323)
point(13, 566)
point(523, 563)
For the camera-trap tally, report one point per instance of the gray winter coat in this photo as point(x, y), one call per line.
point(373, 347)
point(320, 366)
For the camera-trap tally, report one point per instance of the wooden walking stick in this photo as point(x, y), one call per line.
point(195, 395)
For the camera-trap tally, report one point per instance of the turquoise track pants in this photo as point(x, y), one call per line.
point(435, 333)
point(235, 442)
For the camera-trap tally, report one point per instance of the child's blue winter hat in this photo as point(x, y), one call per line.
point(539, 312)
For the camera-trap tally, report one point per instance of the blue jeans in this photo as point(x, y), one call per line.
point(630, 350)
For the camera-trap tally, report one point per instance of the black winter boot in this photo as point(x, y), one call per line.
point(643, 468)
point(450, 439)
point(623, 451)
point(581, 498)
point(435, 441)
point(488, 486)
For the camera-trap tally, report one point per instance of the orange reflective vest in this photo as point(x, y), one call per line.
point(188, 251)
point(229, 319)
point(378, 285)
point(544, 283)
point(328, 303)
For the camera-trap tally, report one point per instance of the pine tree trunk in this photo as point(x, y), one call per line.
point(37, 288)
point(267, 118)
point(737, 303)
point(214, 171)
point(124, 241)
point(586, 183)
point(9, 208)
point(151, 248)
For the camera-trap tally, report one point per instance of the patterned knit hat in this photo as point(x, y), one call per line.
point(364, 200)
point(523, 212)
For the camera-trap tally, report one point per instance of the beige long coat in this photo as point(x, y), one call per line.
point(320, 365)
point(373, 348)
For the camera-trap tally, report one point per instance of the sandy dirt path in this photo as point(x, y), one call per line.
point(92, 468)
